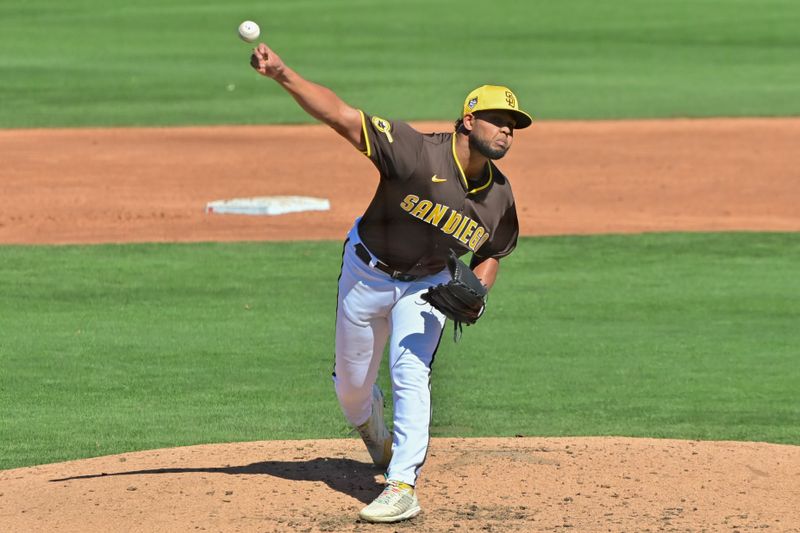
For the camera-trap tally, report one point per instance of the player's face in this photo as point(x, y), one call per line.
point(492, 133)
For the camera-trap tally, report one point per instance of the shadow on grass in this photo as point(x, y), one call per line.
point(349, 477)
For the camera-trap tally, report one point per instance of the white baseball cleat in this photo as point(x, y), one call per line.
point(397, 502)
point(374, 433)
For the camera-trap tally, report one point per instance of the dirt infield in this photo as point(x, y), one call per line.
point(523, 484)
point(75, 186)
point(93, 186)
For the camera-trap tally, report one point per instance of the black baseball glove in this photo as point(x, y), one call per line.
point(462, 299)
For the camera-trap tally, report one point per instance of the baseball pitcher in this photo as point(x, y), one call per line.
point(439, 196)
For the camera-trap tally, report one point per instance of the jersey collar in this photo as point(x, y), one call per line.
point(464, 177)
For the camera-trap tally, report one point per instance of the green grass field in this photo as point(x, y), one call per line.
point(175, 62)
point(115, 348)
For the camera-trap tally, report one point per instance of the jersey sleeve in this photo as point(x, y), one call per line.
point(505, 236)
point(394, 147)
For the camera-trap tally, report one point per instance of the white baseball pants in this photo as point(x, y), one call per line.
point(373, 308)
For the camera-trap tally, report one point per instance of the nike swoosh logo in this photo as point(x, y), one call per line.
point(437, 180)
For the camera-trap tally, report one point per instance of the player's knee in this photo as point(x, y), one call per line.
point(350, 393)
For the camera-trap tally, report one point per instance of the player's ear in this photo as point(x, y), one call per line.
point(468, 123)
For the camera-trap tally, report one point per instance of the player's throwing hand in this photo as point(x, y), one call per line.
point(266, 62)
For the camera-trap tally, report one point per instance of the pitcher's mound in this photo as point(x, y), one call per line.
point(520, 484)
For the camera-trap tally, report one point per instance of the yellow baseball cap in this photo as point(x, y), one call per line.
point(488, 97)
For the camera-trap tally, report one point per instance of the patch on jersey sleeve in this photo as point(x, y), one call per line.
point(383, 126)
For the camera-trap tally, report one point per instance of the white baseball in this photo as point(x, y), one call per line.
point(249, 31)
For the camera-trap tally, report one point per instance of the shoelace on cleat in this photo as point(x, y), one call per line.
point(391, 491)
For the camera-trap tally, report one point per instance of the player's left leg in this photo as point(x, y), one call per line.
point(416, 333)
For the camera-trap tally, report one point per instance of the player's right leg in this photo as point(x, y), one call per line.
point(362, 329)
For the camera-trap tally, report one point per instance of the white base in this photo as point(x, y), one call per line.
point(268, 205)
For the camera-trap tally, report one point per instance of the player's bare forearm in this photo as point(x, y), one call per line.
point(324, 105)
point(318, 101)
point(486, 270)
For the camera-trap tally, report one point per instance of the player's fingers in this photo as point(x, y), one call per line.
point(255, 61)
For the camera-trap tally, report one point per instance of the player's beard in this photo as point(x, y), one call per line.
point(485, 149)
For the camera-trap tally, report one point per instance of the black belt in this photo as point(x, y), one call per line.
point(363, 254)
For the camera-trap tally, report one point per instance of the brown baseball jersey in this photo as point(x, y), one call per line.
point(424, 205)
